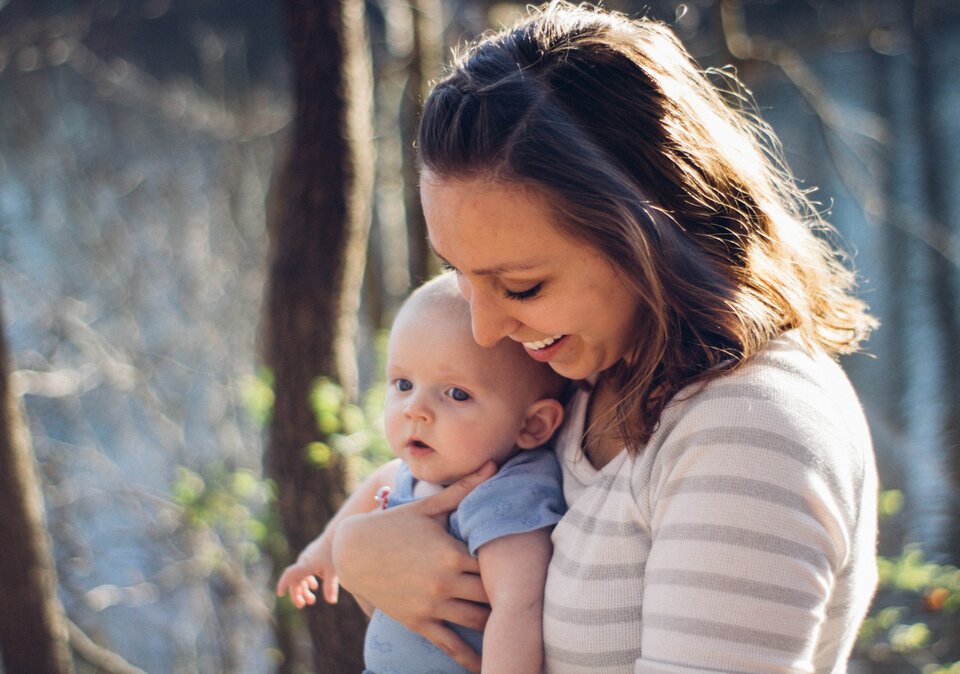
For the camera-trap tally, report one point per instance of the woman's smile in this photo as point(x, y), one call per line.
point(542, 344)
point(544, 350)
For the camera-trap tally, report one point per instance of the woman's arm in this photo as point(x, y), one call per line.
point(406, 564)
point(317, 558)
point(514, 569)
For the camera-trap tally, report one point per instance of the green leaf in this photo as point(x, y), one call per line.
point(889, 503)
point(908, 638)
point(319, 454)
point(256, 391)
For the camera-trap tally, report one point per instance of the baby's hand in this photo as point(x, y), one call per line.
point(300, 578)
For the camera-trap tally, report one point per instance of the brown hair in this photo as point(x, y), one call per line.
point(669, 175)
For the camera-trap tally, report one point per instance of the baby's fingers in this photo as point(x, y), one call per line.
point(299, 586)
point(284, 583)
point(305, 591)
point(331, 588)
point(290, 577)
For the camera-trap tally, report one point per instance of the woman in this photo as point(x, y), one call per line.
point(609, 207)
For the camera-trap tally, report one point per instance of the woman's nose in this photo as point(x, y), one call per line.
point(490, 323)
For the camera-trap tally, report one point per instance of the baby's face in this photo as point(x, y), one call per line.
point(452, 405)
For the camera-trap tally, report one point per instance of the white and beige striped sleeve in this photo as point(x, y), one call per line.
point(755, 503)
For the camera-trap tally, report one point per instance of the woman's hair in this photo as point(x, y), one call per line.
point(669, 175)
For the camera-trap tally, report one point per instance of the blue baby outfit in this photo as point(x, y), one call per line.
point(525, 495)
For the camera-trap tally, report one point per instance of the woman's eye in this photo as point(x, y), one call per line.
point(527, 294)
point(403, 384)
point(446, 266)
point(458, 394)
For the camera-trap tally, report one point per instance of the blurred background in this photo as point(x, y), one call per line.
point(156, 170)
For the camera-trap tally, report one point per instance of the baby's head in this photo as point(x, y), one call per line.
point(451, 404)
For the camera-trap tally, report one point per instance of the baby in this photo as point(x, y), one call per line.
point(451, 407)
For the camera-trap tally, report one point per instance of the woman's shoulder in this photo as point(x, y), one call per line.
point(771, 447)
point(785, 383)
point(787, 416)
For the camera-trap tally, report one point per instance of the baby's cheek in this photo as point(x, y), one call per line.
point(492, 435)
point(391, 423)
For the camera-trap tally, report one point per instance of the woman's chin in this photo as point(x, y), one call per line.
point(571, 370)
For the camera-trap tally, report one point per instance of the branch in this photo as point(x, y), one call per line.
point(184, 105)
point(102, 658)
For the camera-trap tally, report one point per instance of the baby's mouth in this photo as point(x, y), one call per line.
point(418, 446)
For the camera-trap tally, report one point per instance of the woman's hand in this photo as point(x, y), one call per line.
point(406, 564)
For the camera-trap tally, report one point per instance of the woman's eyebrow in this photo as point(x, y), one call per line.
point(489, 271)
point(503, 269)
point(439, 256)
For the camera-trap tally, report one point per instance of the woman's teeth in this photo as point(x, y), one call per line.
point(543, 343)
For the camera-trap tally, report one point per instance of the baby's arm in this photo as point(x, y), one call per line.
point(514, 570)
point(317, 558)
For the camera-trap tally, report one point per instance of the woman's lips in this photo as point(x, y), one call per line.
point(544, 349)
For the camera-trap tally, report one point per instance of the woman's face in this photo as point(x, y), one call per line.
point(525, 279)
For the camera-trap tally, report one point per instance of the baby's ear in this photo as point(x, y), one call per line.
point(543, 418)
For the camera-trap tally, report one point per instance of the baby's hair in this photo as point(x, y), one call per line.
point(670, 176)
point(441, 292)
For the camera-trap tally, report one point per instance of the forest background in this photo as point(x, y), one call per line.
point(208, 215)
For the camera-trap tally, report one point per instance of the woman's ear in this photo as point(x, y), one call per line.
point(543, 418)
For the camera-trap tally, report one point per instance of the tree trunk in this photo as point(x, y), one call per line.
point(33, 629)
point(319, 226)
point(424, 66)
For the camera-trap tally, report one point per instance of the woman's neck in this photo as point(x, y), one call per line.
point(601, 438)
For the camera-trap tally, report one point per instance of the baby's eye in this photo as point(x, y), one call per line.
point(403, 384)
point(458, 394)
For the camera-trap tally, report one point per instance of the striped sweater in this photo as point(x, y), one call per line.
point(741, 538)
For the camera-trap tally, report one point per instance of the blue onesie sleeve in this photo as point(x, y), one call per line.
point(524, 495)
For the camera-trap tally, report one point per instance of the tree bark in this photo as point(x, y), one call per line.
point(33, 629)
point(425, 60)
point(319, 227)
